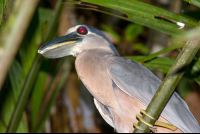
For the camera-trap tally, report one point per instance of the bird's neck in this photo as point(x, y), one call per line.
point(91, 68)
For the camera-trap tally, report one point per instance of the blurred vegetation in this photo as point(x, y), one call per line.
point(45, 95)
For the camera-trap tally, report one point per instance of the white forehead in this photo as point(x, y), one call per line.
point(72, 29)
point(91, 30)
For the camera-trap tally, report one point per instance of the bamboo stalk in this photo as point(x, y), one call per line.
point(13, 33)
point(50, 98)
point(33, 74)
point(168, 85)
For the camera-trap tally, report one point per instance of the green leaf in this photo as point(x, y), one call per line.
point(111, 31)
point(45, 14)
point(132, 31)
point(7, 105)
point(184, 87)
point(163, 64)
point(37, 97)
point(146, 15)
point(2, 127)
point(28, 52)
point(18, 72)
point(17, 78)
point(160, 52)
point(32, 75)
point(141, 48)
point(59, 81)
point(9, 98)
point(34, 38)
point(1, 12)
point(2, 9)
point(194, 70)
point(23, 126)
point(194, 2)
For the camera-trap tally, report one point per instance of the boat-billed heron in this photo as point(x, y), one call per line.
point(120, 87)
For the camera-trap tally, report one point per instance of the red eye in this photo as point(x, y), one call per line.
point(82, 30)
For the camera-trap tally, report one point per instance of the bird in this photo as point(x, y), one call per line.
point(121, 87)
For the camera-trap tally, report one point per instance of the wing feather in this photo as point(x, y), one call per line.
point(105, 113)
point(139, 82)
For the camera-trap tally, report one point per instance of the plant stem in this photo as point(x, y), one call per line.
point(50, 97)
point(33, 74)
point(169, 84)
point(16, 117)
point(13, 33)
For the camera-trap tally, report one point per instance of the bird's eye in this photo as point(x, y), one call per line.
point(82, 30)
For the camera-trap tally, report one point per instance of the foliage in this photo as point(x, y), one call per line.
point(2, 9)
point(42, 28)
point(141, 48)
point(132, 31)
point(194, 2)
point(111, 31)
point(19, 72)
point(146, 15)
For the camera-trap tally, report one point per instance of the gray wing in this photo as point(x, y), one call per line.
point(139, 82)
point(104, 111)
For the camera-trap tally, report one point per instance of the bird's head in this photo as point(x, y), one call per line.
point(77, 39)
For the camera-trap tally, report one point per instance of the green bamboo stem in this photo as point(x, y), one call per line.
point(16, 117)
point(13, 33)
point(168, 85)
point(55, 88)
point(194, 2)
point(32, 74)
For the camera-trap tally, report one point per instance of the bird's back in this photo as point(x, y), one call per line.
point(120, 84)
point(138, 82)
point(92, 72)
